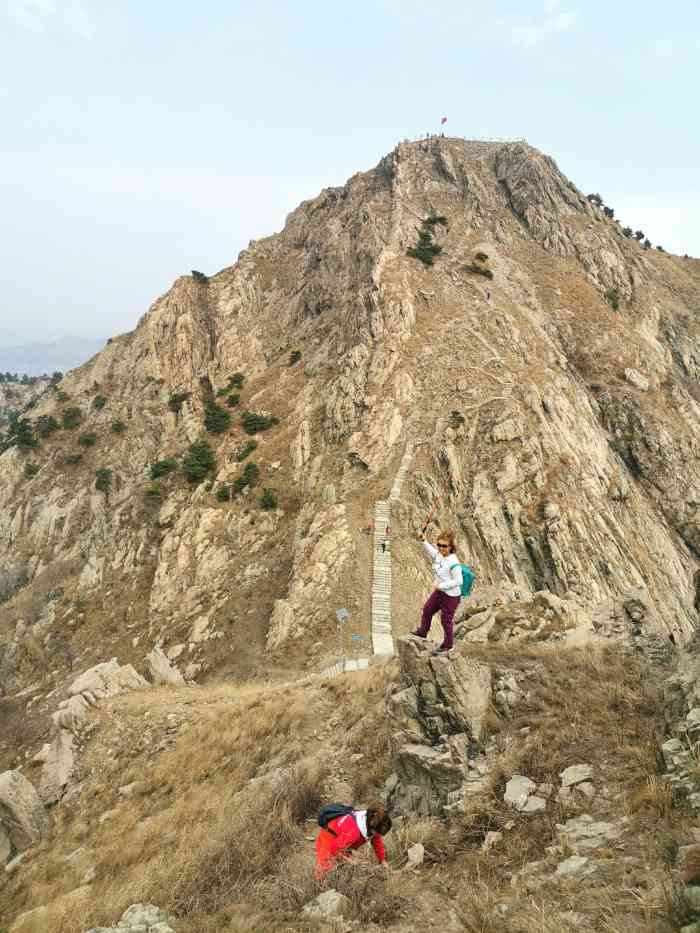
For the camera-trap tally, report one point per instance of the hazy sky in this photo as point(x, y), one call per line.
point(140, 140)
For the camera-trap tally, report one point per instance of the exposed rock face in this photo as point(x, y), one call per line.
point(58, 757)
point(105, 680)
point(58, 762)
point(14, 397)
point(162, 671)
point(437, 712)
point(319, 562)
point(544, 616)
point(563, 441)
point(22, 814)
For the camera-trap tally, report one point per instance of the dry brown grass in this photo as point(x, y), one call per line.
point(579, 702)
point(655, 796)
point(217, 815)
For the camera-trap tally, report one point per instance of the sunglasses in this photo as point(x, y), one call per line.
point(442, 545)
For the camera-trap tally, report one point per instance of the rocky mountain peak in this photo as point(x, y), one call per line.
point(456, 337)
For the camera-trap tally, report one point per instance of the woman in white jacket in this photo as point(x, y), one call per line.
point(448, 583)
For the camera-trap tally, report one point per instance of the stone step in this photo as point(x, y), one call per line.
point(382, 643)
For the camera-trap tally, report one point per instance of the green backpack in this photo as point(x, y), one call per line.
point(468, 578)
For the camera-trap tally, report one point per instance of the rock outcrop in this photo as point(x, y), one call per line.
point(437, 713)
point(23, 819)
point(58, 757)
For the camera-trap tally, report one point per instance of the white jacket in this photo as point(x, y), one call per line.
point(448, 573)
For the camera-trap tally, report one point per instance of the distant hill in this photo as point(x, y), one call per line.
point(36, 358)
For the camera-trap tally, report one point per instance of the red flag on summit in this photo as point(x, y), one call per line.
point(443, 120)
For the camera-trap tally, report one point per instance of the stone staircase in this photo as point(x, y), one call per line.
point(380, 623)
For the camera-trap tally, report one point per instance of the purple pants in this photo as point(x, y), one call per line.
point(446, 606)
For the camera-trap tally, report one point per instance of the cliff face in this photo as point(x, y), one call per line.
point(560, 436)
point(14, 396)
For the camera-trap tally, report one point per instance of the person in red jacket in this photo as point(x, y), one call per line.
point(349, 832)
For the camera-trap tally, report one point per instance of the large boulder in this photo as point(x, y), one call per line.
point(161, 670)
point(58, 760)
point(57, 757)
point(330, 905)
point(22, 814)
point(437, 712)
point(106, 680)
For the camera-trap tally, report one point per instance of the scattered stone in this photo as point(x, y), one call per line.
point(22, 814)
point(534, 805)
point(416, 854)
point(327, 906)
point(161, 670)
point(140, 918)
point(583, 832)
point(106, 680)
point(576, 774)
point(518, 789)
point(575, 866)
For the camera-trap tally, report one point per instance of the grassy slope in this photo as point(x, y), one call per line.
point(218, 827)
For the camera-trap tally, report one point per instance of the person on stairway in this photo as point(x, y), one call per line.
point(341, 836)
point(448, 584)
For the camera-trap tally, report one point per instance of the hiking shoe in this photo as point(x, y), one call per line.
point(442, 650)
point(418, 635)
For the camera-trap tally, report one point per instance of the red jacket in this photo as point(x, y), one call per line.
point(347, 836)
